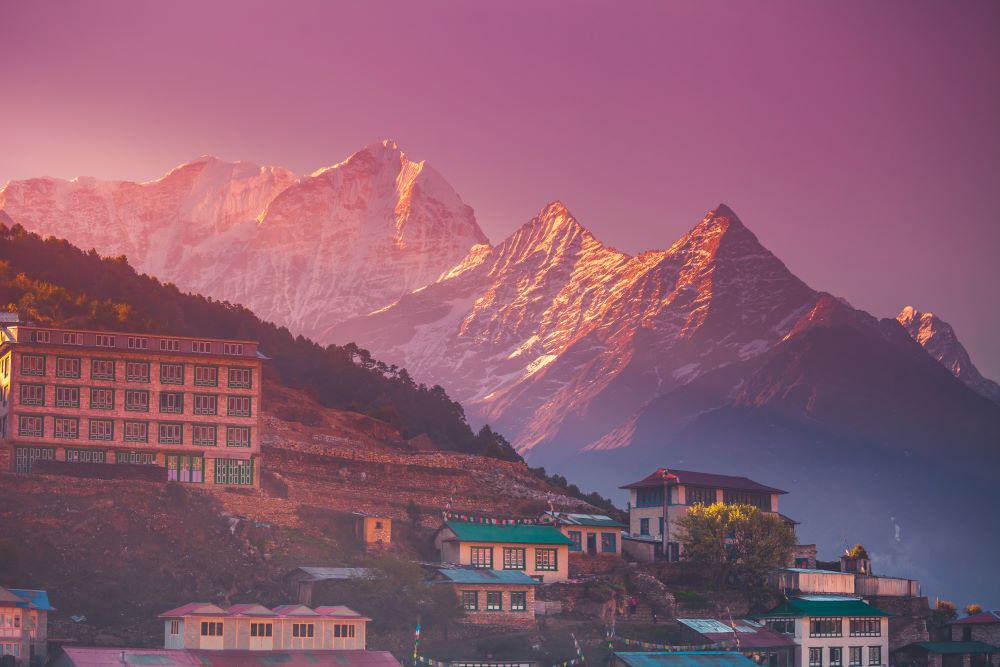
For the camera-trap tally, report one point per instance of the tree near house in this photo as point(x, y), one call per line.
point(973, 609)
point(735, 544)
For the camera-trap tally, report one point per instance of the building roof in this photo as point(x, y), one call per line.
point(294, 610)
point(663, 476)
point(249, 610)
point(956, 647)
point(815, 570)
point(79, 656)
point(285, 610)
point(748, 633)
point(464, 575)
point(986, 617)
point(34, 599)
point(466, 531)
point(594, 520)
point(684, 659)
point(195, 609)
point(340, 611)
point(338, 573)
point(824, 605)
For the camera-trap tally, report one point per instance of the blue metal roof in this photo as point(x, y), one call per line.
point(479, 576)
point(684, 659)
point(35, 599)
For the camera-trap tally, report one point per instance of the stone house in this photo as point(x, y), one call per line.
point(982, 627)
point(306, 583)
point(947, 654)
point(591, 534)
point(756, 641)
point(24, 624)
point(540, 551)
point(492, 597)
point(372, 530)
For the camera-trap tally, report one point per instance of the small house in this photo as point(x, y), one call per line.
point(947, 654)
point(372, 530)
point(306, 583)
point(981, 627)
point(492, 597)
point(756, 641)
point(24, 624)
point(540, 551)
point(590, 534)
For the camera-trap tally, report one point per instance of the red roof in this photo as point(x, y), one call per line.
point(986, 617)
point(663, 476)
point(79, 656)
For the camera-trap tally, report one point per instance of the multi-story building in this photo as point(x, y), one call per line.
point(541, 552)
point(252, 627)
point(833, 630)
point(660, 499)
point(190, 405)
point(591, 534)
point(24, 624)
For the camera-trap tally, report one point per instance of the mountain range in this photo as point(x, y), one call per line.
point(600, 365)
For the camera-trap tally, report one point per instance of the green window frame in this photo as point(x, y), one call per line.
point(69, 398)
point(649, 497)
point(206, 404)
point(137, 371)
point(32, 400)
point(137, 400)
point(170, 433)
point(66, 428)
point(25, 457)
point(239, 382)
point(234, 472)
point(481, 557)
point(238, 437)
point(470, 600)
point(95, 432)
point(206, 376)
point(200, 433)
point(135, 457)
point(102, 398)
point(546, 559)
point(514, 558)
point(68, 367)
point(140, 431)
point(577, 538)
point(494, 601)
point(609, 543)
point(31, 367)
point(26, 423)
point(86, 456)
point(519, 601)
point(102, 372)
point(238, 406)
point(171, 378)
point(836, 656)
point(171, 402)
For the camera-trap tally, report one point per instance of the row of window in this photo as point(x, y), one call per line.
point(134, 342)
point(697, 495)
point(494, 601)
point(609, 542)
point(137, 371)
point(167, 433)
point(836, 656)
point(136, 400)
point(834, 627)
point(514, 558)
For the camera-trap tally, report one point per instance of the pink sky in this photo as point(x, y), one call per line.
point(859, 140)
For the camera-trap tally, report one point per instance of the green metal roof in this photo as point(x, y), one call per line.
point(508, 534)
point(684, 659)
point(957, 647)
point(474, 576)
point(820, 606)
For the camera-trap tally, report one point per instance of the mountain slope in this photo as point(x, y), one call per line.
point(939, 339)
point(305, 252)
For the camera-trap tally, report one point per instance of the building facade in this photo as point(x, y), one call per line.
point(189, 405)
point(252, 627)
point(541, 552)
point(660, 499)
point(754, 640)
point(24, 624)
point(982, 627)
point(833, 631)
point(492, 597)
point(590, 534)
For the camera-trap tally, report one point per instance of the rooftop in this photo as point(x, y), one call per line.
point(464, 575)
point(25, 598)
point(595, 520)
point(29, 334)
point(285, 610)
point(466, 531)
point(824, 605)
point(749, 633)
point(988, 617)
point(684, 659)
point(663, 476)
point(338, 573)
point(78, 656)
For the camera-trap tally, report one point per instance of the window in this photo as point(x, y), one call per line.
point(874, 655)
point(577, 539)
point(232, 348)
point(32, 394)
point(137, 400)
point(470, 600)
point(649, 497)
point(518, 601)
point(866, 627)
point(67, 427)
point(206, 376)
point(68, 367)
point(170, 434)
point(136, 432)
point(344, 630)
point(855, 655)
point(239, 436)
point(303, 629)
point(644, 526)
point(86, 456)
point(203, 435)
point(32, 364)
point(104, 340)
point(136, 458)
point(68, 397)
point(699, 495)
point(826, 627)
point(206, 404)
point(785, 626)
point(759, 500)
point(25, 457)
point(102, 399)
point(816, 657)
point(238, 406)
point(261, 630)
point(175, 627)
point(171, 402)
point(967, 634)
point(482, 557)
point(30, 425)
point(494, 601)
point(39, 337)
point(234, 472)
point(102, 429)
point(102, 369)
point(546, 559)
point(513, 558)
point(137, 371)
point(836, 656)
point(138, 343)
point(184, 468)
point(240, 378)
point(170, 345)
point(609, 543)
point(72, 338)
point(201, 346)
point(172, 373)
point(211, 629)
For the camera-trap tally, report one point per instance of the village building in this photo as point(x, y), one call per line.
point(80, 656)
point(680, 659)
point(24, 625)
point(947, 654)
point(74, 396)
point(832, 630)
point(590, 534)
point(253, 627)
point(659, 500)
point(492, 597)
point(372, 530)
point(306, 583)
point(540, 551)
point(982, 627)
point(755, 640)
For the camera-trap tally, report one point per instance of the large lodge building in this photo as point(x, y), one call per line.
point(190, 405)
